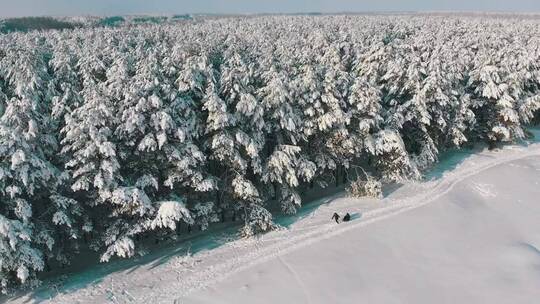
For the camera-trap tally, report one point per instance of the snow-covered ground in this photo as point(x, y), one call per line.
point(470, 234)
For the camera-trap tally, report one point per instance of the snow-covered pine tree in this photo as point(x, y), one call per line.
point(337, 61)
point(160, 160)
point(391, 77)
point(26, 175)
point(497, 82)
point(236, 144)
point(286, 164)
point(88, 141)
point(322, 102)
point(364, 109)
point(178, 124)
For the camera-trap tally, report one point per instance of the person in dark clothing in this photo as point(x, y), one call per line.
point(336, 217)
point(347, 217)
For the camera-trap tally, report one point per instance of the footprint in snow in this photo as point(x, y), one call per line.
point(485, 190)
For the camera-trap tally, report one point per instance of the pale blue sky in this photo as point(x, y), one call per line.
point(10, 8)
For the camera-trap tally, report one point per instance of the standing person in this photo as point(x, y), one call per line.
point(336, 217)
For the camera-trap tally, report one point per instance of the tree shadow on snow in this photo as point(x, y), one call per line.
point(356, 216)
point(388, 189)
point(452, 158)
point(533, 136)
point(305, 211)
point(93, 272)
point(448, 161)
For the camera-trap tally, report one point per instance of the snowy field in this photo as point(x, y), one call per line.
point(478, 241)
point(470, 234)
point(116, 141)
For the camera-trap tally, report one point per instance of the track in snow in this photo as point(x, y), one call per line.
point(186, 274)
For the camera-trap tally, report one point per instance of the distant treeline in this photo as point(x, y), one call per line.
point(26, 24)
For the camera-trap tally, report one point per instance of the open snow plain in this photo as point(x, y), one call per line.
point(468, 234)
point(478, 241)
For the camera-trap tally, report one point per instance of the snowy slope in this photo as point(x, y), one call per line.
point(478, 243)
point(470, 236)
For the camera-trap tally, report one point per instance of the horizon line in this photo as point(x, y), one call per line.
point(367, 12)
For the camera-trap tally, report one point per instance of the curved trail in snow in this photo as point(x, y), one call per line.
point(178, 278)
point(279, 243)
point(297, 278)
